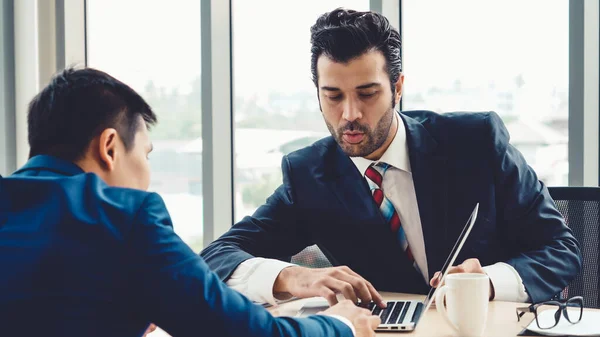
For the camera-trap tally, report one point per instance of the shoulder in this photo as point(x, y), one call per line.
point(82, 202)
point(466, 130)
point(313, 156)
point(124, 208)
point(127, 203)
point(88, 197)
point(462, 120)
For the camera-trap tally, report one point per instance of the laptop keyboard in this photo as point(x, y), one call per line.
point(398, 309)
point(394, 313)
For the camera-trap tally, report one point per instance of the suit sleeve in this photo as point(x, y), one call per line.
point(172, 287)
point(544, 251)
point(273, 231)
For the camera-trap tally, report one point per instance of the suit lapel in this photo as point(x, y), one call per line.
point(428, 166)
point(351, 189)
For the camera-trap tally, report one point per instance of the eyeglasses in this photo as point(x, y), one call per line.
point(560, 308)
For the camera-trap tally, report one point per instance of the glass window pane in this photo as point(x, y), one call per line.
point(275, 106)
point(508, 56)
point(154, 46)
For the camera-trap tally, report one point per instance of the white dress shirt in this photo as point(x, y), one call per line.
point(255, 277)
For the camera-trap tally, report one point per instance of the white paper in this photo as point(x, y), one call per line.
point(588, 326)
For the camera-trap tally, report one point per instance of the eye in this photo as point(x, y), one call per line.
point(335, 98)
point(367, 94)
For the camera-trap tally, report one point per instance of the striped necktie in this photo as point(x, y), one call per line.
point(374, 176)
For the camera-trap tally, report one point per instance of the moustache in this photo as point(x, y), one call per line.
point(354, 126)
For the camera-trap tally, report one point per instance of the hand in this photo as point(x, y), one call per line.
point(326, 282)
point(469, 266)
point(150, 329)
point(364, 322)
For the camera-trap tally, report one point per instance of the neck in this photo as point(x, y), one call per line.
point(89, 165)
point(376, 155)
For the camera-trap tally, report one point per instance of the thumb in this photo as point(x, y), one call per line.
point(435, 279)
point(374, 322)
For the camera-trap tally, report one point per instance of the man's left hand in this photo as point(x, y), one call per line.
point(469, 266)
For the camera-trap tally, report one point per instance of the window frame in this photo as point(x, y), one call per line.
point(23, 72)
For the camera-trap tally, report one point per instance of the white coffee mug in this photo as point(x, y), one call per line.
point(467, 299)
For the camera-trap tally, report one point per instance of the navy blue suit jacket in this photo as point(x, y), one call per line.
point(457, 160)
point(80, 258)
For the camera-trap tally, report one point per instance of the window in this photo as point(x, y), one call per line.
point(509, 56)
point(154, 46)
point(275, 104)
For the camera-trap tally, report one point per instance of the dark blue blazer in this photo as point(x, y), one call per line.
point(457, 160)
point(80, 258)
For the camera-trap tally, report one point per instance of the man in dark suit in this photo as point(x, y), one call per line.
point(85, 251)
point(386, 196)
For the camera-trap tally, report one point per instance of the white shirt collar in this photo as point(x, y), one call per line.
point(396, 154)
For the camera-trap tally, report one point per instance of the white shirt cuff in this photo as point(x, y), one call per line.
point(255, 277)
point(508, 285)
point(345, 321)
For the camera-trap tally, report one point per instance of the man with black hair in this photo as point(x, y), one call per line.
point(386, 196)
point(85, 251)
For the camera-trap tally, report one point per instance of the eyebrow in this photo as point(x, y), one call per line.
point(368, 85)
point(362, 86)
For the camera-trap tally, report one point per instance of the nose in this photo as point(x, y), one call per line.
point(351, 110)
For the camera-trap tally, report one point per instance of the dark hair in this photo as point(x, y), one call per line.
point(343, 35)
point(76, 106)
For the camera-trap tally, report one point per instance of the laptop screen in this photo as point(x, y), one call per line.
point(453, 254)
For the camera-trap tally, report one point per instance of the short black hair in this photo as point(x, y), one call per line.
point(344, 34)
point(76, 106)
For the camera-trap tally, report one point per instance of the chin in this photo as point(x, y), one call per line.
point(353, 150)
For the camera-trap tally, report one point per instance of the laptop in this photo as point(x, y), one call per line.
point(405, 315)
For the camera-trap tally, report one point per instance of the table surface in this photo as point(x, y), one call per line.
point(501, 322)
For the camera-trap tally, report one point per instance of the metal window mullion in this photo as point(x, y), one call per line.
point(584, 124)
point(71, 33)
point(8, 155)
point(591, 89)
point(217, 141)
point(26, 54)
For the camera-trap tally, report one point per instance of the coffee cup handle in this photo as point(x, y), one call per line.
point(441, 308)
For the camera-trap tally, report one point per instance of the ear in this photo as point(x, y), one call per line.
point(399, 86)
point(107, 148)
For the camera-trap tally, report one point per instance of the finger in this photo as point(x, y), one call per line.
point(434, 280)
point(359, 286)
point(150, 329)
point(377, 298)
point(343, 287)
point(374, 295)
point(329, 295)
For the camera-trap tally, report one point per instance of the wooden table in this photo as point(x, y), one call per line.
point(501, 322)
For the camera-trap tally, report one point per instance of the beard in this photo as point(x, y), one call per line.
point(373, 138)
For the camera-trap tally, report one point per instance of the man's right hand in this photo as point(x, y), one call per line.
point(364, 322)
point(326, 282)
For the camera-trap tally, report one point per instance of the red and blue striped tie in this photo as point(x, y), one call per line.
point(374, 176)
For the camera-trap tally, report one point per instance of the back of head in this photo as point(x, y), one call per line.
point(76, 106)
point(343, 35)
